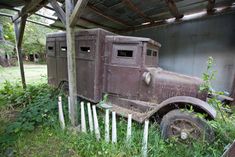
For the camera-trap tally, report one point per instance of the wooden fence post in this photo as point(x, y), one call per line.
point(90, 117)
point(96, 124)
point(107, 125)
point(61, 115)
point(114, 128)
point(145, 139)
point(83, 118)
point(128, 134)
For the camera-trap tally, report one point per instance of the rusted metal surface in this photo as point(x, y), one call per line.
point(89, 55)
point(126, 68)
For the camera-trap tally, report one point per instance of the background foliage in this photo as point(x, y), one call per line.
point(34, 40)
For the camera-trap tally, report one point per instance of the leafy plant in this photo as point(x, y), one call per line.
point(208, 76)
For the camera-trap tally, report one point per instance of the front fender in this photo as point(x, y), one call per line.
point(168, 105)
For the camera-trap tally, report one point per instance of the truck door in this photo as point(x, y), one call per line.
point(123, 70)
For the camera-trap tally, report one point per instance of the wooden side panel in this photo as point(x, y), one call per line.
point(51, 61)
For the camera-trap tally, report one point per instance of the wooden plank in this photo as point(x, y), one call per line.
point(210, 6)
point(80, 5)
point(29, 7)
point(173, 9)
point(59, 11)
point(162, 23)
point(70, 34)
point(19, 33)
point(101, 13)
point(138, 11)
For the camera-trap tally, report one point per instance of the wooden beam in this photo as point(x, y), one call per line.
point(98, 24)
point(19, 33)
point(29, 7)
point(59, 11)
point(70, 36)
point(79, 7)
point(101, 13)
point(138, 11)
point(173, 9)
point(210, 6)
point(161, 23)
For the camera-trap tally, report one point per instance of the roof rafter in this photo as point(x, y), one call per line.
point(210, 6)
point(138, 11)
point(29, 7)
point(59, 11)
point(173, 9)
point(28, 20)
point(97, 24)
point(101, 13)
point(76, 13)
point(165, 22)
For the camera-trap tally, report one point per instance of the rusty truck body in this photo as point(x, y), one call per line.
point(127, 69)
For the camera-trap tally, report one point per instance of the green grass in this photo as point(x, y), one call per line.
point(34, 73)
point(49, 140)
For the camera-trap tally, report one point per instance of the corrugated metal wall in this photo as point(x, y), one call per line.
point(187, 46)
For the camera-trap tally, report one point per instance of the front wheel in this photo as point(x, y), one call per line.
point(184, 126)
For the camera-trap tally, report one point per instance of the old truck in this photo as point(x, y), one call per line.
point(126, 68)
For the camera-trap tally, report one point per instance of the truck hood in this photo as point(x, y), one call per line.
point(168, 84)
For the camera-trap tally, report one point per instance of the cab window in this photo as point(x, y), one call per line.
point(124, 54)
point(151, 57)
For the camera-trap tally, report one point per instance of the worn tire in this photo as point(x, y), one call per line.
point(178, 117)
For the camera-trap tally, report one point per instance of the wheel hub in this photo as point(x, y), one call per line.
point(183, 135)
point(185, 129)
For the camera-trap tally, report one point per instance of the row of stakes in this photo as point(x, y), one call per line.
point(95, 126)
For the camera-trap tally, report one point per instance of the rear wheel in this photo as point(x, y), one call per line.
point(184, 126)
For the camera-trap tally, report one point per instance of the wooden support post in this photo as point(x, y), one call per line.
point(72, 13)
point(19, 33)
point(70, 34)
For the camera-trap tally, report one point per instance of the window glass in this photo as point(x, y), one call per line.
point(154, 53)
point(149, 52)
point(85, 49)
point(63, 48)
point(125, 53)
point(50, 48)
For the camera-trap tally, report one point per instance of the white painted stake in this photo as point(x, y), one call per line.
point(69, 108)
point(90, 117)
point(83, 118)
point(114, 128)
point(61, 115)
point(107, 125)
point(128, 134)
point(145, 139)
point(96, 124)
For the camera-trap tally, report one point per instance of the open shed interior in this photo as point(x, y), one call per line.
point(189, 30)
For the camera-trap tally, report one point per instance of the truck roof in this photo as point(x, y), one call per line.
point(120, 38)
point(80, 31)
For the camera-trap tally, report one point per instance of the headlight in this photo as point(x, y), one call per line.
point(147, 77)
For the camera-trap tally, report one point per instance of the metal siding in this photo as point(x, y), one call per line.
point(187, 46)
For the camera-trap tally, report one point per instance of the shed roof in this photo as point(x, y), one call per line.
point(121, 15)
